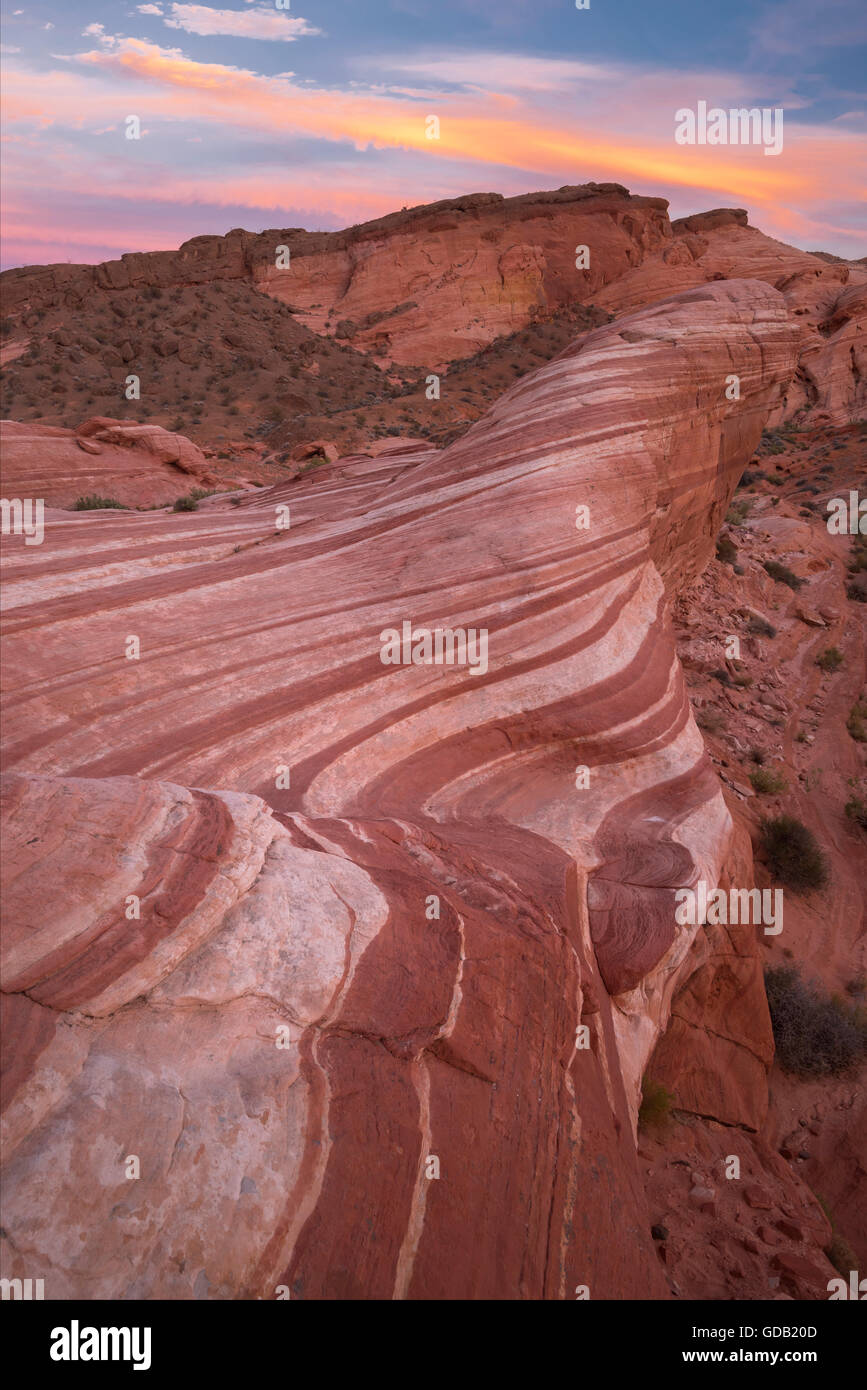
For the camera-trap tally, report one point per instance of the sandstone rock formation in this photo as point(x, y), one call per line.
point(137, 465)
point(324, 934)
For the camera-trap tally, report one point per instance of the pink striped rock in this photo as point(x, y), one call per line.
point(352, 956)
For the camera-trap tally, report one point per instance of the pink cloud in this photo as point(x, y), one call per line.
point(509, 131)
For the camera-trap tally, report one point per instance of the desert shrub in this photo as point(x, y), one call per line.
point(726, 550)
point(831, 659)
point(710, 720)
point(815, 1034)
point(767, 782)
point(856, 810)
point(841, 1255)
point(92, 502)
point(655, 1108)
point(738, 511)
point(761, 627)
point(793, 853)
point(856, 590)
point(858, 559)
point(782, 574)
point(855, 722)
point(186, 504)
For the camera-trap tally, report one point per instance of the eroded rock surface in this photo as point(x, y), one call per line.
point(393, 871)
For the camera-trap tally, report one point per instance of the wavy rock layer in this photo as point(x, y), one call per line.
point(402, 882)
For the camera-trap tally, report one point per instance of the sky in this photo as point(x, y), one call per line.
point(315, 113)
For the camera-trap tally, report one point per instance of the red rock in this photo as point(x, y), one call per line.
point(137, 464)
point(769, 1235)
point(792, 1230)
point(802, 1276)
point(303, 907)
point(757, 1197)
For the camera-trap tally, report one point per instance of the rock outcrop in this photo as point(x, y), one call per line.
point(829, 299)
point(136, 465)
point(363, 962)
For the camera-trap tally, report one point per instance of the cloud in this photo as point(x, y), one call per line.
point(149, 9)
point(513, 71)
point(361, 150)
point(261, 23)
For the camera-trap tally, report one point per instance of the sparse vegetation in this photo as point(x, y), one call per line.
point(760, 627)
point(92, 502)
point(726, 550)
point(856, 810)
point(738, 512)
point(855, 723)
point(710, 720)
point(815, 1034)
point(782, 574)
point(831, 659)
point(793, 853)
point(655, 1107)
point(766, 782)
point(190, 503)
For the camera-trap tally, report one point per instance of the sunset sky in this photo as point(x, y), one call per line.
point(315, 116)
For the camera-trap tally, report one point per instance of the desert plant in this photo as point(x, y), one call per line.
point(767, 782)
point(726, 550)
point(831, 659)
point(856, 810)
point(855, 722)
point(761, 627)
point(815, 1034)
point(782, 574)
point(793, 853)
point(186, 504)
point(92, 502)
point(655, 1108)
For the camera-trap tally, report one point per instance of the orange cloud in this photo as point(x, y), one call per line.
point(544, 135)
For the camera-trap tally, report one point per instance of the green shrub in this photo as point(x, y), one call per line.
point(655, 1107)
point(92, 502)
point(782, 574)
point(831, 659)
point(186, 504)
point(726, 550)
point(815, 1034)
point(761, 627)
point(793, 853)
point(767, 782)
